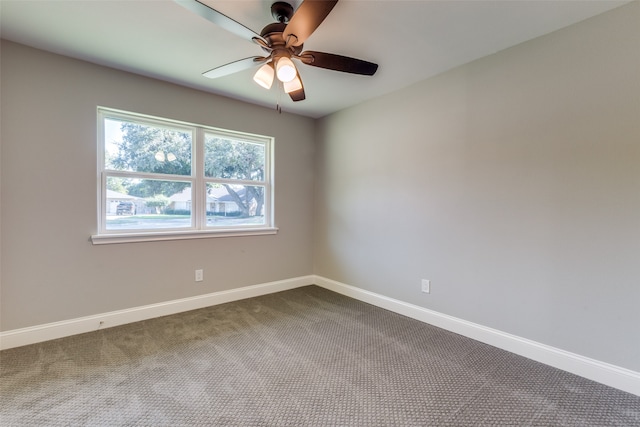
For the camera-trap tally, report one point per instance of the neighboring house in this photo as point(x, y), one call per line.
point(114, 198)
point(218, 200)
point(180, 201)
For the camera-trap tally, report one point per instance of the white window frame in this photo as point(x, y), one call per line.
point(197, 180)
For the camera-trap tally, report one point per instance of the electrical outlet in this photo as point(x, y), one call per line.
point(426, 286)
point(199, 275)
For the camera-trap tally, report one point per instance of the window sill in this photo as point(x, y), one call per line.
point(106, 239)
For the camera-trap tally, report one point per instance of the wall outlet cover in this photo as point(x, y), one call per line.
point(426, 286)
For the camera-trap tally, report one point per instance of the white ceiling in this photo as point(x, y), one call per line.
point(410, 40)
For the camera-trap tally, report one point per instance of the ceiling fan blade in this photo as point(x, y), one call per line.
point(298, 95)
point(306, 19)
point(335, 62)
point(234, 67)
point(219, 19)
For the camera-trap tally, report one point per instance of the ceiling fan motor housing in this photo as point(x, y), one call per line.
point(272, 33)
point(281, 11)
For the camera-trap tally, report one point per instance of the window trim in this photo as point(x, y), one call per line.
point(198, 180)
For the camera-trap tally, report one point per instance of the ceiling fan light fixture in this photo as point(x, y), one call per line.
point(293, 85)
point(285, 70)
point(264, 76)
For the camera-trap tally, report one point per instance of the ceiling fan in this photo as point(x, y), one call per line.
point(282, 41)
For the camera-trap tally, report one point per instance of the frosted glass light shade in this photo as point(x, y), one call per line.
point(264, 76)
point(285, 70)
point(293, 85)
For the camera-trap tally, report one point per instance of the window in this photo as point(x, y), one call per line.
point(162, 179)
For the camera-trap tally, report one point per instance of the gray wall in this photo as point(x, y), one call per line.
point(50, 270)
point(513, 183)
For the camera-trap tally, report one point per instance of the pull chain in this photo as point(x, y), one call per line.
point(278, 97)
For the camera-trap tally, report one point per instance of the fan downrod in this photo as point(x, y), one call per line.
point(281, 11)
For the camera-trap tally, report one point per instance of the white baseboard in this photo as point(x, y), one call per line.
point(604, 373)
point(611, 375)
point(50, 331)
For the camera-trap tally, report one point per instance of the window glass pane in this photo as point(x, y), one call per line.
point(233, 205)
point(146, 148)
point(146, 204)
point(229, 159)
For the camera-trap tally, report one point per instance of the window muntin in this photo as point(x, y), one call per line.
point(161, 176)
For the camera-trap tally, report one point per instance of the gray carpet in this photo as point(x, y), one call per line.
point(305, 357)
